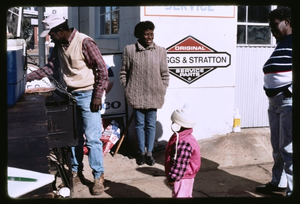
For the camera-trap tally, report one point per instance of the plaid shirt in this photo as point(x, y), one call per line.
point(184, 152)
point(188, 160)
point(93, 59)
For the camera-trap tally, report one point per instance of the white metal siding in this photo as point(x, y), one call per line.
point(250, 97)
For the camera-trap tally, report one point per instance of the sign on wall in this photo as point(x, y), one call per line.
point(114, 102)
point(190, 59)
point(191, 11)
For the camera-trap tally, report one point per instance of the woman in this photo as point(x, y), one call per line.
point(145, 76)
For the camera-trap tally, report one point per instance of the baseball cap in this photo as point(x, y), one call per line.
point(51, 22)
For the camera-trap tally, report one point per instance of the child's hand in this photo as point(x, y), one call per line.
point(170, 183)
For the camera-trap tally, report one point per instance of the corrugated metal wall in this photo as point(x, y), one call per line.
point(250, 98)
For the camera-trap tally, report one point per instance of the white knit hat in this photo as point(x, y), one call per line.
point(183, 117)
point(51, 22)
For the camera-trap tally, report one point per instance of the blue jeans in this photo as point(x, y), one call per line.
point(280, 118)
point(88, 123)
point(145, 128)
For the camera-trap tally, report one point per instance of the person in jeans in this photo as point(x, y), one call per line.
point(144, 75)
point(85, 74)
point(278, 88)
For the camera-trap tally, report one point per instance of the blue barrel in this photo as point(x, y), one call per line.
point(16, 70)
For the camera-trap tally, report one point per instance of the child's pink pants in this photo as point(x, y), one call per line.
point(183, 188)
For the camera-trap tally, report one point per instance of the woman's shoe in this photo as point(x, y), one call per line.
point(150, 160)
point(141, 160)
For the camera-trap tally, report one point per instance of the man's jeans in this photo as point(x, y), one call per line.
point(145, 128)
point(88, 123)
point(280, 118)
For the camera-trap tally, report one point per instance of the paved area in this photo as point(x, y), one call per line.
point(232, 166)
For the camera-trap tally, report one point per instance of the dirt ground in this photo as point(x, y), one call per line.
point(232, 166)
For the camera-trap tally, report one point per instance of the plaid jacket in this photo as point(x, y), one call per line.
point(188, 160)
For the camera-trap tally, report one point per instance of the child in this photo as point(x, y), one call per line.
point(182, 156)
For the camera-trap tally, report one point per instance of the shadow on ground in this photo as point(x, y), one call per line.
point(212, 181)
point(121, 190)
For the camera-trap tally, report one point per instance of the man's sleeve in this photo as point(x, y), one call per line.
point(95, 59)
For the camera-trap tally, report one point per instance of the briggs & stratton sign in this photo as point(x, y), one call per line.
point(190, 59)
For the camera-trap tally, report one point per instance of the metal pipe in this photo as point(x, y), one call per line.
point(41, 43)
point(19, 22)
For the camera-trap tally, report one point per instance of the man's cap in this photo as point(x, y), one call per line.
point(51, 22)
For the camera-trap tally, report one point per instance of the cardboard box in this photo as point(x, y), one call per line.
point(110, 136)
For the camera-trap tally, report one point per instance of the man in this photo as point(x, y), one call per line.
point(278, 88)
point(85, 74)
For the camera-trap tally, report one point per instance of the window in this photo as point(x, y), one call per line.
point(31, 8)
point(109, 20)
point(253, 26)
